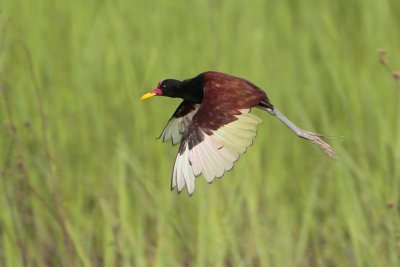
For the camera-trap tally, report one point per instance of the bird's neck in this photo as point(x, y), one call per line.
point(193, 89)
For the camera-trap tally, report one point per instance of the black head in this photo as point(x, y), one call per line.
point(189, 90)
point(171, 88)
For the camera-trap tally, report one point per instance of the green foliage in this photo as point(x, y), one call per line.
point(85, 183)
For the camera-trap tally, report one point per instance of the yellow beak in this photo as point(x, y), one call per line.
point(148, 95)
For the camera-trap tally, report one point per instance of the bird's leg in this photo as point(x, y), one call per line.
point(314, 138)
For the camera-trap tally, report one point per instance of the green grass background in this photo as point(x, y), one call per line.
point(85, 183)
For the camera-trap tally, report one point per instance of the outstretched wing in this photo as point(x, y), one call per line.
point(221, 130)
point(212, 152)
point(179, 121)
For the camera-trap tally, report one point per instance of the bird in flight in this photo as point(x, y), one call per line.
point(214, 125)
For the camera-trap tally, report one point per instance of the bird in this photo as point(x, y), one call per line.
point(214, 126)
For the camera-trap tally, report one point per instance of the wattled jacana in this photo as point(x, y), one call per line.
point(214, 124)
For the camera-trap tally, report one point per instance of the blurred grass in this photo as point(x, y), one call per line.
point(85, 183)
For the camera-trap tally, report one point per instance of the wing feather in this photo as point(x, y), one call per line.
point(214, 155)
point(179, 121)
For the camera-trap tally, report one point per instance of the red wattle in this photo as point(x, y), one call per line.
point(157, 91)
